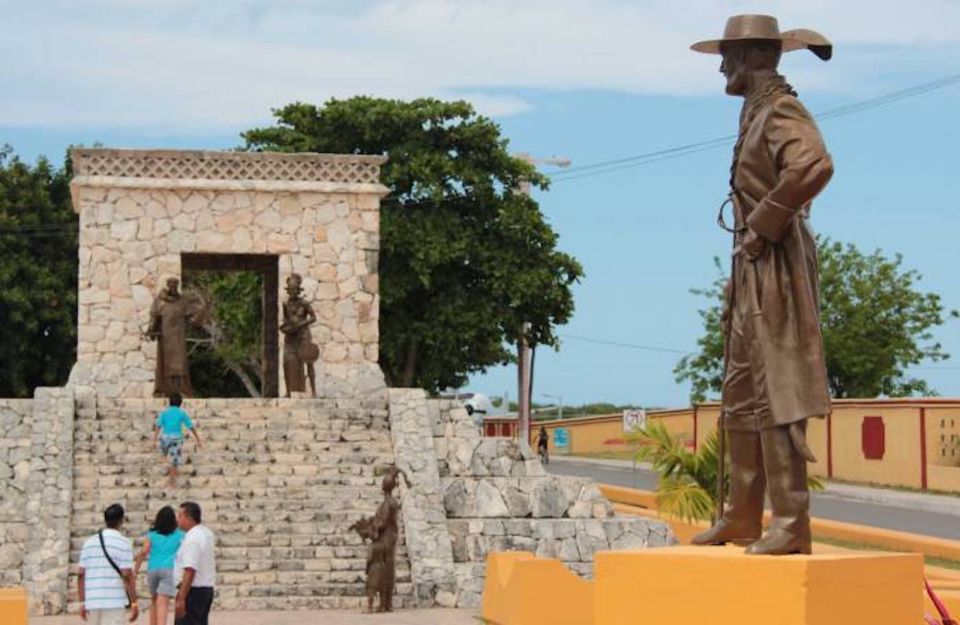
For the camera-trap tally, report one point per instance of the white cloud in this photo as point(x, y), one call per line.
point(221, 63)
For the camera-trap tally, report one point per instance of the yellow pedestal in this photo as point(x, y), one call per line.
point(721, 585)
point(521, 589)
point(13, 606)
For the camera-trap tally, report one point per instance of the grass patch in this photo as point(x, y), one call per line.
point(945, 563)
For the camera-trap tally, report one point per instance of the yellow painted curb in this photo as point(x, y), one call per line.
point(632, 496)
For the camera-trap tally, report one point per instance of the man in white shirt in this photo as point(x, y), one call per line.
point(195, 568)
point(106, 583)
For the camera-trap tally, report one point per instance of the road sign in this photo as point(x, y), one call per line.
point(561, 440)
point(634, 419)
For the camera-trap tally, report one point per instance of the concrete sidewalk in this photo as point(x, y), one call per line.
point(942, 504)
point(308, 617)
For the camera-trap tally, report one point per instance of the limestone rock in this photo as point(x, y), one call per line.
point(548, 500)
point(489, 501)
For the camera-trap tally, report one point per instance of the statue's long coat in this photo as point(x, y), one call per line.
point(168, 320)
point(782, 165)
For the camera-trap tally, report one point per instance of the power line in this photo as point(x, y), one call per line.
point(649, 348)
point(619, 164)
point(668, 350)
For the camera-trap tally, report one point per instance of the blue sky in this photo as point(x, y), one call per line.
point(591, 81)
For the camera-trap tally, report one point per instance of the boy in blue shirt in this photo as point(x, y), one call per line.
point(169, 430)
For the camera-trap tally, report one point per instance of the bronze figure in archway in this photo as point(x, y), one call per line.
point(299, 350)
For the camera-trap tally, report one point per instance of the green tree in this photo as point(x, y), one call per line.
point(225, 344)
point(465, 258)
point(875, 324)
point(38, 275)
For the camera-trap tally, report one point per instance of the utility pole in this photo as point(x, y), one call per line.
point(524, 353)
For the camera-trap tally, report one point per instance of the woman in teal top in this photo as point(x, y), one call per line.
point(159, 549)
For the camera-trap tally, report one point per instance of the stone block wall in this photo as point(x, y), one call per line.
point(493, 495)
point(140, 210)
point(425, 523)
point(16, 424)
point(36, 474)
point(49, 494)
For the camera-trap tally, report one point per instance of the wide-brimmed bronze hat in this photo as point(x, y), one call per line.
point(765, 27)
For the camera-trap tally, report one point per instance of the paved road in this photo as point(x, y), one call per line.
point(825, 505)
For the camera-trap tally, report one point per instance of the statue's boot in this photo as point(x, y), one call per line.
point(742, 522)
point(786, 476)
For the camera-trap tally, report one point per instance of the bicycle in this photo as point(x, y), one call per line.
point(543, 454)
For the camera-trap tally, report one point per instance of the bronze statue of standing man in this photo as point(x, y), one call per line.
point(775, 373)
point(299, 351)
point(168, 326)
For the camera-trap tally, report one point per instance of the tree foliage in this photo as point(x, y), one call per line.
point(38, 275)
point(226, 341)
point(465, 258)
point(704, 368)
point(876, 323)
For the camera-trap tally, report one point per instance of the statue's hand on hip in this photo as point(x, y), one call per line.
point(753, 245)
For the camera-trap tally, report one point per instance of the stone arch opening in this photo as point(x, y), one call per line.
point(267, 266)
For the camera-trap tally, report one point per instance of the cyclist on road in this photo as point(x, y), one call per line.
point(542, 440)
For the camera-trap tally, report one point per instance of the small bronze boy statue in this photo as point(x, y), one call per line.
point(381, 530)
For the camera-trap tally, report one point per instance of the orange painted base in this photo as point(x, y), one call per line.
point(697, 585)
point(522, 589)
point(13, 606)
point(722, 585)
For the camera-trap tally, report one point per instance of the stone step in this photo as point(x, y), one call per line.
point(271, 426)
point(206, 457)
point(280, 481)
point(245, 441)
point(266, 422)
point(239, 564)
point(112, 465)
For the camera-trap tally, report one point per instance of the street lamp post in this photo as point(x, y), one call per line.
point(559, 399)
point(524, 357)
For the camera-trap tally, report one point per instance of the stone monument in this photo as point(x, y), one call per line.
point(308, 465)
point(145, 215)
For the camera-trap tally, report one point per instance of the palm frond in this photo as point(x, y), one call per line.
point(684, 499)
point(658, 446)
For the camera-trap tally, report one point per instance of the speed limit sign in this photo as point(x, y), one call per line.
point(634, 419)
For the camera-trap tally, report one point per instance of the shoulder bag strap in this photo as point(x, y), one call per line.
point(113, 564)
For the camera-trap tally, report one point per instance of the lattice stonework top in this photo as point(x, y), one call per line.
point(204, 165)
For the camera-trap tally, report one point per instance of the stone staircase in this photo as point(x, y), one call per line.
point(279, 482)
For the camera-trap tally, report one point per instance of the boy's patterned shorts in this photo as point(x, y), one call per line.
point(171, 446)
